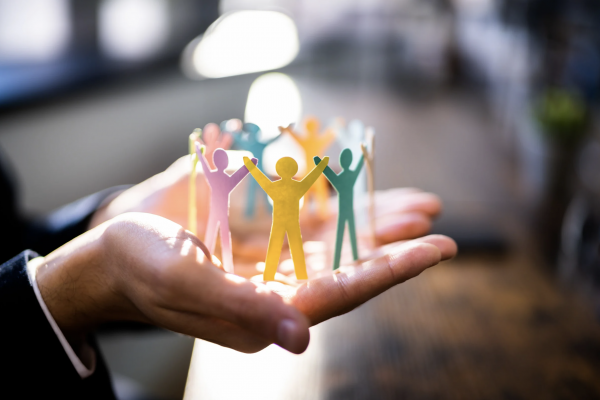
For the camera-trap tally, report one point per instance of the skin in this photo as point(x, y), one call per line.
point(132, 265)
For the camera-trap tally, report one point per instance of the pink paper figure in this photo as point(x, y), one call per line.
point(213, 139)
point(221, 186)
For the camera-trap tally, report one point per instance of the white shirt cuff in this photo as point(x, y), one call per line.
point(82, 370)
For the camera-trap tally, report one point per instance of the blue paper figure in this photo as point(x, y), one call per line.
point(343, 183)
point(247, 139)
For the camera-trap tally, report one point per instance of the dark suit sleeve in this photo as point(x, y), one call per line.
point(49, 232)
point(33, 363)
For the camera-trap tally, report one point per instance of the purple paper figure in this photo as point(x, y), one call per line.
point(221, 186)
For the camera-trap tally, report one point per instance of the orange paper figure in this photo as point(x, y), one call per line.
point(286, 194)
point(369, 155)
point(213, 139)
point(314, 143)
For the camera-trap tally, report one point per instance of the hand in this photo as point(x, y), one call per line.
point(145, 268)
point(337, 292)
point(141, 267)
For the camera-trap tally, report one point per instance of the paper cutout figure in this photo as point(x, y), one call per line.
point(314, 143)
point(192, 211)
point(369, 156)
point(286, 194)
point(344, 186)
point(352, 136)
point(213, 139)
point(247, 139)
point(221, 185)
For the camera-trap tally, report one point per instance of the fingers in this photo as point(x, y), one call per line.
point(207, 291)
point(407, 200)
point(402, 226)
point(215, 330)
point(160, 268)
point(446, 245)
point(349, 287)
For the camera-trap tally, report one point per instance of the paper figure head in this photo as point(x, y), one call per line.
point(211, 133)
point(220, 159)
point(252, 131)
point(286, 167)
point(346, 158)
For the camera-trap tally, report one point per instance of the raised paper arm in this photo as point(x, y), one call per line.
point(328, 172)
point(359, 166)
point(313, 175)
point(205, 167)
point(365, 152)
point(260, 177)
point(326, 139)
point(268, 142)
point(289, 130)
point(240, 174)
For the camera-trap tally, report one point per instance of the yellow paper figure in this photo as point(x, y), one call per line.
point(192, 211)
point(314, 143)
point(369, 154)
point(286, 194)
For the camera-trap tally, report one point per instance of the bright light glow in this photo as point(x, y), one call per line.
point(314, 247)
point(219, 373)
point(219, 367)
point(246, 41)
point(236, 159)
point(33, 30)
point(133, 29)
point(274, 100)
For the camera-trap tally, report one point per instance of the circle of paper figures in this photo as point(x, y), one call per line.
point(285, 192)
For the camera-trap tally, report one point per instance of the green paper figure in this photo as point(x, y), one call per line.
point(344, 186)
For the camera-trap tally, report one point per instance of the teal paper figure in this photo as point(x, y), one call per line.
point(344, 186)
point(247, 139)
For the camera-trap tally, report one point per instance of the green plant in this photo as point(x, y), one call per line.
point(562, 115)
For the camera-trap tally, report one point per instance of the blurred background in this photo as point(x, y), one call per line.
point(492, 104)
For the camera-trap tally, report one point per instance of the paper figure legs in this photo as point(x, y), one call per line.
point(221, 186)
point(286, 194)
point(344, 185)
point(314, 143)
point(247, 140)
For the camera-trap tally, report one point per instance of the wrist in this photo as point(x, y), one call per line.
point(77, 286)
